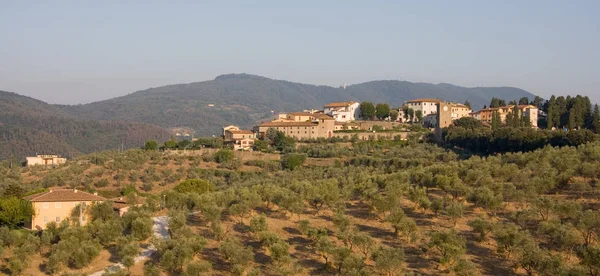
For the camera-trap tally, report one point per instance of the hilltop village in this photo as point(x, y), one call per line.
point(345, 119)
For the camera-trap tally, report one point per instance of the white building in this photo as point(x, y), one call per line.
point(45, 160)
point(343, 111)
point(426, 105)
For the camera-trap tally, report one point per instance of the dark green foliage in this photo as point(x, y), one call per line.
point(486, 141)
point(468, 104)
point(367, 110)
point(382, 111)
point(196, 268)
point(102, 211)
point(224, 156)
point(61, 132)
point(291, 161)
point(181, 248)
point(15, 212)
point(468, 123)
point(76, 252)
point(127, 250)
point(171, 144)
point(449, 245)
point(394, 115)
point(260, 145)
point(234, 252)
point(569, 112)
point(388, 260)
point(482, 226)
point(419, 115)
point(197, 186)
point(496, 102)
point(151, 145)
point(258, 224)
point(281, 142)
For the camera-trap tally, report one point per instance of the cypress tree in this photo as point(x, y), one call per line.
point(495, 120)
point(595, 121)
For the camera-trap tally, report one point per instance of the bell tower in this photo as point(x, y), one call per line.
point(443, 118)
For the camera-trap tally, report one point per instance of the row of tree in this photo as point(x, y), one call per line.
point(470, 134)
point(572, 112)
point(380, 111)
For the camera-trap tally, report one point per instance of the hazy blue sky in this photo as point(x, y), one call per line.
point(82, 51)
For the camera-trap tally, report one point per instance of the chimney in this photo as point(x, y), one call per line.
point(50, 190)
point(75, 190)
point(96, 193)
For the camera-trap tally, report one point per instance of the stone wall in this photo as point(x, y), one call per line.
point(368, 125)
point(242, 155)
point(367, 135)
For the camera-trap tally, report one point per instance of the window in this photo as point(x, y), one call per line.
point(57, 219)
point(46, 205)
point(57, 205)
point(45, 219)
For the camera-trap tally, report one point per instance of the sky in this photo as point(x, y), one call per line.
point(72, 52)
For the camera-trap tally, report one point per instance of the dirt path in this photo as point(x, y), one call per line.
point(161, 230)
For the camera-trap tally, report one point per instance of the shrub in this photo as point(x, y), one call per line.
point(292, 161)
point(197, 186)
point(223, 156)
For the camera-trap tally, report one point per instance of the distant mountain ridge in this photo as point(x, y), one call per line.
point(205, 107)
point(245, 99)
point(29, 126)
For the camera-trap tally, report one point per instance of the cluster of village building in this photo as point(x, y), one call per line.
point(323, 123)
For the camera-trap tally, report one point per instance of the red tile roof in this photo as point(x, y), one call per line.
point(287, 124)
point(323, 116)
point(429, 100)
point(339, 104)
point(300, 113)
point(62, 195)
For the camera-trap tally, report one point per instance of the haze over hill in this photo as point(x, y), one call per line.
point(244, 99)
point(28, 126)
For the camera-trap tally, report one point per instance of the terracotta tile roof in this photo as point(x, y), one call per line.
point(323, 116)
point(300, 113)
point(121, 202)
point(287, 124)
point(429, 100)
point(119, 205)
point(241, 131)
point(460, 105)
point(339, 104)
point(62, 195)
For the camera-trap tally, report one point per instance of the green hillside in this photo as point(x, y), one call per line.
point(29, 126)
point(244, 100)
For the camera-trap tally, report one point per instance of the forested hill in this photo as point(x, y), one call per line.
point(29, 126)
point(244, 100)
